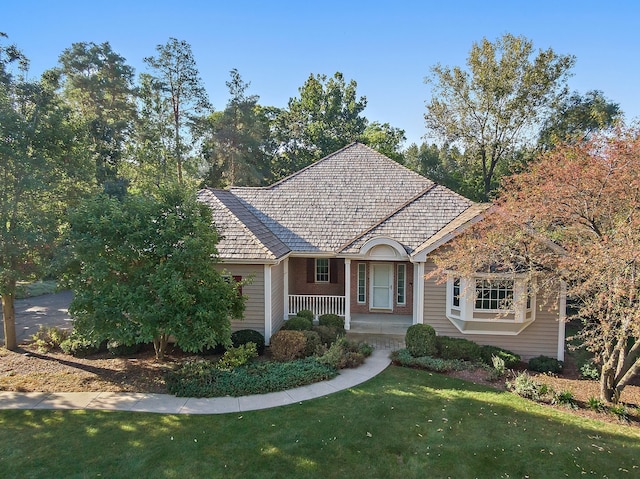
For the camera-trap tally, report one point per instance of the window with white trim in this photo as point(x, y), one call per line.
point(490, 303)
point(362, 283)
point(322, 270)
point(401, 285)
point(494, 294)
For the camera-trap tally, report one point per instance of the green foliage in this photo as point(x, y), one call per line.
point(595, 404)
point(288, 345)
point(620, 411)
point(332, 320)
point(564, 398)
point(487, 353)
point(237, 356)
point(345, 354)
point(244, 336)
point(457, 348)
point(490, 107)
point(144, 269)
point(49, 338)
point(79, 347)
point(525, 386)
point(545, 364)
point(577, 117)
point(314, 346)
point(297, 323)
point(36, 288)
point(328, 334)
point(326, 117)
point(204, 379)
point(421, 340)
point(119, 349)
point(499, 368)
point(589, 370)
point(403, 357)
point(238, 146)
point(176, 82)
point(306, 313)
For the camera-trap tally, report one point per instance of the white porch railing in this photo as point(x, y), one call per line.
point(318, 304)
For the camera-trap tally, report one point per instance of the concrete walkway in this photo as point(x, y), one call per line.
point(167, 404)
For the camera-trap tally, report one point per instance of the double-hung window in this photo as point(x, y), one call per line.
point(322, 270)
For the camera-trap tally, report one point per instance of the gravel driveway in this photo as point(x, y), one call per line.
point(45, 310)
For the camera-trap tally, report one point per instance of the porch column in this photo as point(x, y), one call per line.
point(268, 323)
point(285, 267)
point(418, 293)
point(347, 294)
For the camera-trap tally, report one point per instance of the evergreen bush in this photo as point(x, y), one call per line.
point(420, 340)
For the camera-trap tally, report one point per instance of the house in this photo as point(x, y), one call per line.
point(353, 234)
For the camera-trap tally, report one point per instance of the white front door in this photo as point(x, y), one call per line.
point(381, 286)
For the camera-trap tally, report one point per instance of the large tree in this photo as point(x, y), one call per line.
point(496, 105)
point(144, 270)
point(574, 217)
point(578, 117)
point(41, 171)
point(177, 79)
point(238, 148)
point(98, 86)
point(326, 117)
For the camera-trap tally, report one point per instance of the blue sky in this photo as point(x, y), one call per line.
point(387, 47)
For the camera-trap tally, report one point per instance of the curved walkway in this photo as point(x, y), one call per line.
point(168, 404)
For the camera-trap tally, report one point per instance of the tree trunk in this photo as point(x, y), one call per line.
point(9, 318)
point(160, 345)
point(608, 390)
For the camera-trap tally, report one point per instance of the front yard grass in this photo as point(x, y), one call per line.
point(402, 424)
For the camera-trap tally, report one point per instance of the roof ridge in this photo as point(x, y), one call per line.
point(390, 215)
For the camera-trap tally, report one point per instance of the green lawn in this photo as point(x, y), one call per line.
point(402, 424)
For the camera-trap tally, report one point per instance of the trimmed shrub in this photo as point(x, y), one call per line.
point(79, 347)
point(203, 379)
point(236, 357)
point(116, 348)
point(244, 336)
point(332, 320)
point(306, 313)
point(314, 345)
point(545, 364)
point(288, 345)
point(328, 334)
point(457, 348)
point(403, 357)
point(421, 340)
point(487, 353)
point(298, 323)
point(49, 338)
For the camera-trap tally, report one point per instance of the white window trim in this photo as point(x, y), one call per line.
point(404, 284)
point(328, 270)
point(362, 270)
point(469, 320)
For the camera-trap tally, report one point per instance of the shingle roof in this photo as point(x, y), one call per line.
point(243, 236)
point(324, 205)
point(336, 205)
point(419, 219)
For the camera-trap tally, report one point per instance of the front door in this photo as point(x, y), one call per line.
point(382, 286)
